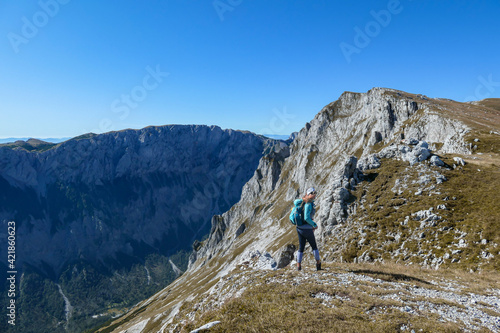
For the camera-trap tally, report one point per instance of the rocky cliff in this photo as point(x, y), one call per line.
point(325, 155)
point(112, 200)
point(123, 192)
point(377, 160)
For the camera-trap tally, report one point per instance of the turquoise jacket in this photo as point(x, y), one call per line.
point(309, 209)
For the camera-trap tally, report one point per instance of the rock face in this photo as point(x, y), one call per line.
point(123, 194)
point(286, 255)
point(323, 155)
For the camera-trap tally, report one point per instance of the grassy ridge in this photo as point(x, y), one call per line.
point(290, 301)
point(30, 145)
point(385, 222)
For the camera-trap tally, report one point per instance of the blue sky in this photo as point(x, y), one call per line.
point(69, 67)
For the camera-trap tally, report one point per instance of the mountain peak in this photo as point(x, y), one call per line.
point(386, 165)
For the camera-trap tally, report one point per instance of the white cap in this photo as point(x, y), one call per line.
point(310, 190)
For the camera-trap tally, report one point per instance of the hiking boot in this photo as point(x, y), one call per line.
point(299, 266)
point(318, 266)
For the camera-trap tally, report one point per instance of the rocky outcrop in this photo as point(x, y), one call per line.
point(323, 155)
point(265, 179)
point(286, 255)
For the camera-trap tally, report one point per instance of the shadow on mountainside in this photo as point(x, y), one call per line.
point(390, 277)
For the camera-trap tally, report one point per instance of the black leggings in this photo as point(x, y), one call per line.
point(306, 235)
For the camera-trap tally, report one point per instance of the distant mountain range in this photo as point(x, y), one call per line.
point(279, 136)
point(59, 140)
point(51, 140)
point(105, 220)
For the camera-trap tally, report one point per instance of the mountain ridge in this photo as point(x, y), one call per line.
point(98, 213)
point(357, 129)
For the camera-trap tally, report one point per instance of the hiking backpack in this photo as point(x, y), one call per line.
point(297, 214)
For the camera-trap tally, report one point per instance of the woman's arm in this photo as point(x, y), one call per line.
point(307, 215)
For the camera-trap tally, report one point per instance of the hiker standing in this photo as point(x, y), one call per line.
point(306, 229)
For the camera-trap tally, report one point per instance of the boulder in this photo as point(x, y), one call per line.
point(369, 162)
point(436, 161)
point(285, 255)
point(459, 161)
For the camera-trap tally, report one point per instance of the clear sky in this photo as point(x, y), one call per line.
point(69, 67)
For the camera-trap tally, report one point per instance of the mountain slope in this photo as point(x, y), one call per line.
point(96, 190)
point(369, 157)
point(105, 216)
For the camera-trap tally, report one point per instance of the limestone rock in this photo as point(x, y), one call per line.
point(205, 327)
point(369, 162)
point(286, 255)
point(436, 161)
point(459, 161)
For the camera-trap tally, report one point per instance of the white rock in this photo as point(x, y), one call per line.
point(205, 327)
point(369, 162)
point(436, 161)
point(459, 161)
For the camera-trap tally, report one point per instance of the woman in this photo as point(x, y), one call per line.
point(306, 230)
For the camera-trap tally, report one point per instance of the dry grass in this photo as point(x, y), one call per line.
point(274, 306)
point(471, 198)
point(477, 282)
point(492, 103)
